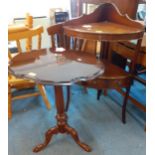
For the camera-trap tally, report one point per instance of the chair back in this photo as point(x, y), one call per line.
point(56, 35)
point(20, 83)
point(128, 51)
point(59, 40)
point(29, 21)
point(18, 37)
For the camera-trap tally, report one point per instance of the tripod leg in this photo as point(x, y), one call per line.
point(74, 135)
point(99, 94)
point(48, 136)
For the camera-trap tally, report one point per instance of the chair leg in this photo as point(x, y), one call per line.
point(44, 96)
point(105, 92)
point(124, 105)
point(9, 103)
point(85, 90)
point(99, 94)
point(68, 98)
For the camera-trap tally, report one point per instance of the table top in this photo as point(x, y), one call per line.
point(106, 30)
point(46, 67)
point(106, 23)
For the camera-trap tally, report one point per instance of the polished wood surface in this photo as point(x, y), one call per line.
point(18, 83)
point(60, 43)
point(127, 50)
point(61, 117)
point(103, 31)
point(62, 125)
point(125, 6)
point(104, 28)
point(107, 24)
point(30, 57)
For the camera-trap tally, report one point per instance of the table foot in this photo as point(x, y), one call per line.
point(62, 127)
point(74, 135)
point(48, 136)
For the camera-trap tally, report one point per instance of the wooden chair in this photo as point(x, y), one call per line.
point(126, 49)
point(17, 83)
point(59, 40)
point(28, 23)
point(58, 44)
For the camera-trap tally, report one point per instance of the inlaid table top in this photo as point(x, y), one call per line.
point(103, 31)
point(46, 67)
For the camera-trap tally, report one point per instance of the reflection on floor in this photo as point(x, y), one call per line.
point(97, 122)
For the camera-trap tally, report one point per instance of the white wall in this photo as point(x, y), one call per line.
point(18, 8)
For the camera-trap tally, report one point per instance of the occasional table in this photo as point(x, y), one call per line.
point(106, 24)
point(54, 69)
point(99, 32)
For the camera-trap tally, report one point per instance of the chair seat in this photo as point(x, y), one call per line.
point(20, 83)
point(14, 54)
